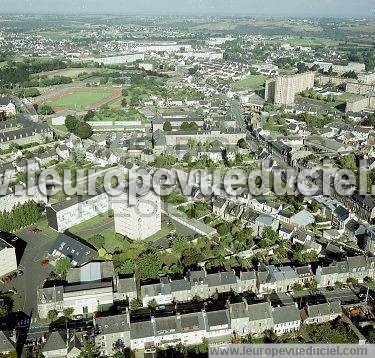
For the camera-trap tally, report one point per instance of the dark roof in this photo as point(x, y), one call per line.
point(6, 345)
point(73, 249)
point(55, 341)
point(4, 101)
point(341, 213)
point(113, 324)
point(218, 318)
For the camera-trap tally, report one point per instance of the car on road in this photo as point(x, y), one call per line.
point(77, 317)
point(35, 230)
point(44, 262)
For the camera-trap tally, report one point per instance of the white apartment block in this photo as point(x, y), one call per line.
point(63, 215)
point(8, 259)
point(138, 221)
point(282, 89)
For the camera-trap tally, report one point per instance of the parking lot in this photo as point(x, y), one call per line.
point(33, 248)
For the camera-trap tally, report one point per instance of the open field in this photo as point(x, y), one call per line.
point(253, 82)
point(309, 41)
point(69, 72)
point(83, 98)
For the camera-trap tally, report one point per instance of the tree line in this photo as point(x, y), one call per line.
point(19, 217)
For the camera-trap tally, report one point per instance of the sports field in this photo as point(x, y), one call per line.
point(83, 98)
point(253, 82)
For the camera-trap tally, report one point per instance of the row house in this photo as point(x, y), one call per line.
point(278, 279)
point(357, 267)
point(321, 313)
point(197, 284)
point(100, 156)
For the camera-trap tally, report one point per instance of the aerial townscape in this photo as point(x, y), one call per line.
point(171, 183)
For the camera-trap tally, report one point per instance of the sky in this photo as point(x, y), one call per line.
point(312, 8)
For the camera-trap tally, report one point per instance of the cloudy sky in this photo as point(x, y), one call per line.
point(337, 8)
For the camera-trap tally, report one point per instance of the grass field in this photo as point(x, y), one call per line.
point(310, 41)
point(82, 99)
point(69, 72)
point(254, 82)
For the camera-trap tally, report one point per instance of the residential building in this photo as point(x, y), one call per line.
point(75, 210)
point(321, 313)
point(112, 332)
point(138, 220)
point(7, 106)
point(286, 319)
point(7, 345)
point(55, 346)
point(126, 289)
point(21, 194)
point(8, 258)
point(282, 89)
point(85, 299)
point(79, 253)
point(160, 292)
point(356, 267)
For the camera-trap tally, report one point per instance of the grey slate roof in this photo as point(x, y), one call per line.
point(113, 324)
point(285, 314)
point(324, 309)
point(141, 330)
point(6, 345)
point(218, 318)
point(73, 249)
point(260, 311)
point(126, 285)
point(55, 341)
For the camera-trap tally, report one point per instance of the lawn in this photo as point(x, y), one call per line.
point(93, 226)
point(81, 99)
point(254, 82)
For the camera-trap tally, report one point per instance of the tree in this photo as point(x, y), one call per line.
point(313, 286)
point(135, 304)
point(352, 281)
point(148, 265)
point(52, 315)
point(223, 229)
point(339, 285)
point(297, 287)
point(71, 123)
point(348, 162)
point(167, 126)
point(63, 266)
point(124, 102)
point(89, 116)
point(191, 256)
point(45, 110)
point(152, 304)
point(270, 234)
point(89, 350)
point(4, 310)
point(98, 241)
point(127, 267)
point(180, 244)
point(83, 130)
point(68, 312)
point(242, 143)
